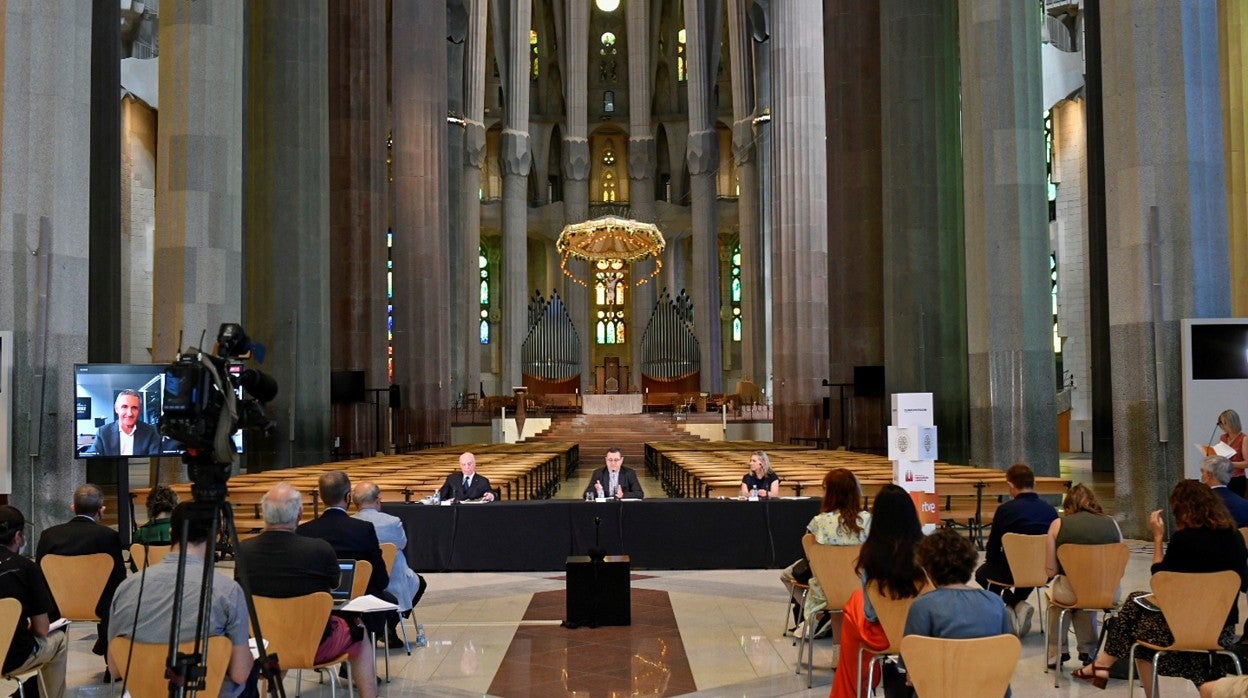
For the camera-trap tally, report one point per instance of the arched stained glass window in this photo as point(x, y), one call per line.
point(735, 293)
point(484, 266)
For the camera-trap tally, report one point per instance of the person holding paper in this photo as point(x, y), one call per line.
point(1233, 436)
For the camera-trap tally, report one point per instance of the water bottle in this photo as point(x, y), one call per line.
point(437, 496)
point(421, 641)
point(753, 494)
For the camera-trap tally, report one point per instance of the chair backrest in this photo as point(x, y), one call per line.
point(293, 627)
point(389, 551)
point(943, 668)
point(147, 680)
point(10, 614)
point(1196, 625)
point(1094, 572)
point(892, 614)
point(150, 555)
point(1025, 554)
point(77, 581)
point(363, 572)
point(833, 566)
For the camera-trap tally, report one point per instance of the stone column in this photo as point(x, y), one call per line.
point(1166, 213)
point(641, 167)
point(759, 30)
point(515, 160)
point(924, 257)
point(358, 127)
point(464, 309)
point(799, 219)
point(422, 325)
point(44, 238)
point(198, 236)
point(474, 157)
point(1233, 48)
point(702, 33)
point(855, 208)
point(1073, 290)
point(287, 225)
point(753, 301)
point(1009, 307)
point(576, 176)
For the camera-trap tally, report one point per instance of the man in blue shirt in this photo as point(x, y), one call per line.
point(1025, 513)
point(1215, 471)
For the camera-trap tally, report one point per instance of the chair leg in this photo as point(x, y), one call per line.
point(1156, 681)
point(1130, 670)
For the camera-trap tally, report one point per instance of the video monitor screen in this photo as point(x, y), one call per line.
point(117, 409)
point(1220, 352)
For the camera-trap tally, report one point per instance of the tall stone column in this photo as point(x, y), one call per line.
point(358, 214)
point(44, 238)
point(642, 161)
point(800, 219)
point(463, 261)
point(1073, 289)
point(1233, 48)
point(924, 256)
point(1166, 212)
point(1009, 308)
point(753, 300)
point(422, 324)
point(198, 237)
point(855, 209)
point(702, 33)
point(760, 32)
point(515, 160)
point(470, 214)
point(576, 175)
point(287, 225)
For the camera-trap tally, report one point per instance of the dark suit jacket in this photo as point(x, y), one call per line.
point(454, 487)
point(81, 535)
point(352, 539)
point(108, 440)
point(627, 479)
point(1237, 505)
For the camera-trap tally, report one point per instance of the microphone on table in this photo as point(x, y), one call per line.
point(596, 553)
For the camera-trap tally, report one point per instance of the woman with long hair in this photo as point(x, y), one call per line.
point(887, 561)
point(1083, 522)
point(841, 521)
point(1205, 540)
point(761, 477)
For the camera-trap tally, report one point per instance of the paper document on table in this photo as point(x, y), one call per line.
point(368, 604)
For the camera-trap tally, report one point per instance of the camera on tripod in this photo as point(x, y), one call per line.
point(208, 397)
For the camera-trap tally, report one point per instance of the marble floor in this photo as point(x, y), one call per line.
point(498, 634)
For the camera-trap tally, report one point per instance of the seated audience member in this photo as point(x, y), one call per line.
point(1025, 513)
point(886, 562)
point(405, 585)
point(1205, 540)
point(33, 646)
point(160, 503)
point(761, 477)
point(85, 535)
point(841, 521)
point(148, 619)
point(615, 480)
point(466, 485)
point(1215, 471)
point(1084, 523)
point(282, 564)
point(954, 609)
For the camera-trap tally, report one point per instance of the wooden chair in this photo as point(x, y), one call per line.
point(152, 554)
point(293, 628)
point(833, 566)
point(892, 614)
point(1194, 624)
point(10, 616)
point(77, 582)
point(1026, 556)
point(1095, 573)
point(147, 680)
point(389, 553)
point(363, 572)
point(943, 668)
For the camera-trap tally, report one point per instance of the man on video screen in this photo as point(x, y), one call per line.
point(128, 436)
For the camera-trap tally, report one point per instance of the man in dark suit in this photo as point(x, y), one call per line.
point(127, 436)
point(1215, 471)
point(351, 539)
point(467, 485)
point(615, 480)
point(85, 535)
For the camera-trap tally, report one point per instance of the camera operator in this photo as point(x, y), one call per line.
point(229, 609)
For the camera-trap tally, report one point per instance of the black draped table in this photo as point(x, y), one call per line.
point(675, 534)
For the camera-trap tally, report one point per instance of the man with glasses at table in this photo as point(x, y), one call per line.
point(614, 480)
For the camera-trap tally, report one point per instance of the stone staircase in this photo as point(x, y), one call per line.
point(627, 432)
